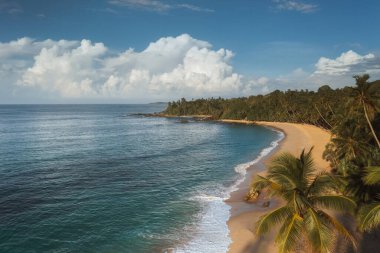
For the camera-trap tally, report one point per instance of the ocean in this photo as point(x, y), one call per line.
point(97, 178)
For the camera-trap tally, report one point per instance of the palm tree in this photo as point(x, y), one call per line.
point(350, 148)
point(368, 97)
point(350, 140)
point(369, 214)
point(306, 193)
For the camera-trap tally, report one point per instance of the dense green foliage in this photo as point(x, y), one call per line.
point(306, 194)
point(369, 213)
point(323, 108)
point(354, 150)
point(352, 114)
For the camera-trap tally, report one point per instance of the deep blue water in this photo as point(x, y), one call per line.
point(94, 178)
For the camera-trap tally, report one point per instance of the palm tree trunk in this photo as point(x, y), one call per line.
point(320, 114)
point(370, 125)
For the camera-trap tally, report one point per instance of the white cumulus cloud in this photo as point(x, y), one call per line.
point(68, 68)
point(168, 68)
point(336, 72)
point(347, 62)
point(259, 85)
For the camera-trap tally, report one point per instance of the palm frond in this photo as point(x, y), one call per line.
point(292, 172)
point(324, 182)
point(283, 177)
point(285, 160)
point(338, 227)
point(373, 175)
point(369, 216)
point(307, 165)
point(269, 220)
point(289, 234)
point(318, 232)
point(334, 202)
point(260, 182)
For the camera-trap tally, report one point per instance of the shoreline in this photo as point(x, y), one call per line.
point(242, 214)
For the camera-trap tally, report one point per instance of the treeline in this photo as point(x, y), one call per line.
point(352, 114)
point(322, 108)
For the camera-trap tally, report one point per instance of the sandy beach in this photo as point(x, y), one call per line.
point(244, 215)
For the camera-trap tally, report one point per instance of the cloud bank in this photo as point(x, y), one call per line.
point(348, 62)
point(169, 68)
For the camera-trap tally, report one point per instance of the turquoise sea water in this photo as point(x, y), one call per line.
point(94, 178)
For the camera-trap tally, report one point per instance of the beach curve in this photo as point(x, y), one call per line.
point(242, 214)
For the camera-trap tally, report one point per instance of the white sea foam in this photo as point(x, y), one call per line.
point(241, 169)
point(212, 235)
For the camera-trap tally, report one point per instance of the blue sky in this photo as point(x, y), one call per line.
point(268, 44)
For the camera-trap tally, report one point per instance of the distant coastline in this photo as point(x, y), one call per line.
point(158, 103)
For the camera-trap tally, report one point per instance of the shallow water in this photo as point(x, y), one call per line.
point(93, 178)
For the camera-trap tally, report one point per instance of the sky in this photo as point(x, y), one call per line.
point(140, 51)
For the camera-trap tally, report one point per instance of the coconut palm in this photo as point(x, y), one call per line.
point(349, 148)
point(369, 214)
point(368, 96)
point(350, 152)
point(350, 140)
point(306, 195)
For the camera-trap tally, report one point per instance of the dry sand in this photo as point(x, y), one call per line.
point(244, 215)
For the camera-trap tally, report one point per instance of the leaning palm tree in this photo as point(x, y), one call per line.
point(368, 96)
point(369, 214)
point(306, 195)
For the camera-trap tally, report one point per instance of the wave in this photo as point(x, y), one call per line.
point(212, 235)
point(241, 169)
